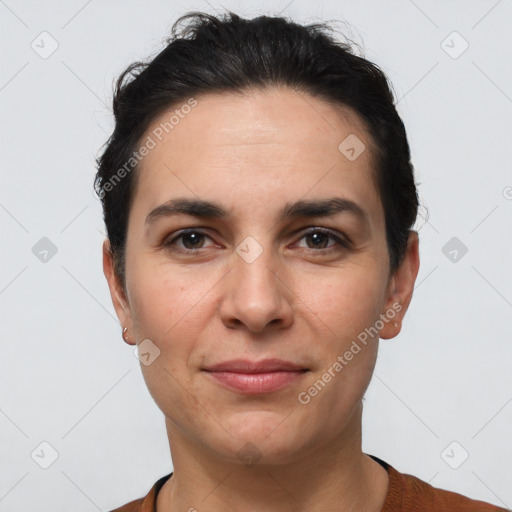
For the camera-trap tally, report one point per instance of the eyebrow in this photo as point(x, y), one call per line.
point(210, 210)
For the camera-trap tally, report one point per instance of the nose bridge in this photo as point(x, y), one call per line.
point(252, 266)
point(255, 295)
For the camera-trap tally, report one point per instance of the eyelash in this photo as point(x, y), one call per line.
point(340, 242)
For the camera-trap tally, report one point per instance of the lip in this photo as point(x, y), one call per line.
point(247, 366)
point(256, 377)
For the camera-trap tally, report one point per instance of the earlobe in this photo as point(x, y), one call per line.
point(401, 288)
point(117, 295)
point(125, 336)
point(393, 321)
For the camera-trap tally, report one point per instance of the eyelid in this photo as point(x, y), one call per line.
point(340, 239)
point(182, 232)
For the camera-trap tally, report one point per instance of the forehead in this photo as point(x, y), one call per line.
point(264, 142)
point(257, 116)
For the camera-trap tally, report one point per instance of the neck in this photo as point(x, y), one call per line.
point(337, 476)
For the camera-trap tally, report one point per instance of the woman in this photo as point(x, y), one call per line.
point(259, 198)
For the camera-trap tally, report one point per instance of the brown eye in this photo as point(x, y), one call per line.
point(318, 238)
point(190, 241)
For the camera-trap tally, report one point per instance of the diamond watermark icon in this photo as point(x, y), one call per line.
point(454, 45)
point(249, 454)
point(352, 147)
point(249, 249)
point(454, 249)
point(44, 455)
point(44, 250)
point(146, 352)
point(45, 45)
point(454, 455)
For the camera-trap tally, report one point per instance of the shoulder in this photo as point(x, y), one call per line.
point(413, 494)
point(146, 503)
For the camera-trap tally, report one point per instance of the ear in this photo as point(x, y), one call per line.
point(400, 289)
point(119, 299)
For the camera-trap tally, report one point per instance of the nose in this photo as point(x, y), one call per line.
point(256, 297)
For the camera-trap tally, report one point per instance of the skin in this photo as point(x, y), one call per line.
point(296, 301)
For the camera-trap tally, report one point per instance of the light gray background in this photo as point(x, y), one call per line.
point(66, 376)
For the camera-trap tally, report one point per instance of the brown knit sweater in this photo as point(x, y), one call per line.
point(406, 493)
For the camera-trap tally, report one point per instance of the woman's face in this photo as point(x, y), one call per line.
point(264, 275)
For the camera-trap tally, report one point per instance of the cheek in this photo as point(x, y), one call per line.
point(172, 308)
point(163, 301)
point(168, 309)
point(345, 351)
point(346, 301)
point(346, 305)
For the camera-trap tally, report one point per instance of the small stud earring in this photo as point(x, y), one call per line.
point(124, 333)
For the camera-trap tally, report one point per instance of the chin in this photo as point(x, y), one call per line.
point(262, 437)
